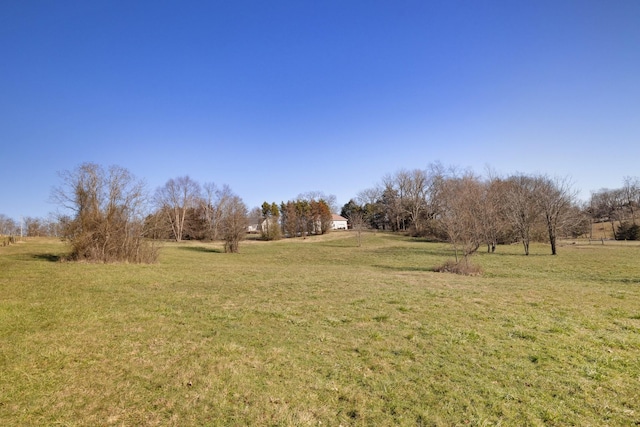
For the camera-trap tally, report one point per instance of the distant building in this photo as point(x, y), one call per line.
point(338, 222)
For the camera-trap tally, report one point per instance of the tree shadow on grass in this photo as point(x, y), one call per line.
point(497, 253)
point(402, 250)
point(47, 257)
point(349, 245)
point(405, 268)
point(202, 249)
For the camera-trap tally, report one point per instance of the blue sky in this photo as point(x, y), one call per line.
point(277, 98)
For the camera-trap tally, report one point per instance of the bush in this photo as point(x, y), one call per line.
point(8, 240)
point(107, 225)
point(463, 267)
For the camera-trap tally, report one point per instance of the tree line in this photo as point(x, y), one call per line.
point(470, 211)
point(115, 217)
point(111, 215)
point(299, 217)
point(29, 226)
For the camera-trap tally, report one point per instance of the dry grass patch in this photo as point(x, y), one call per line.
point(463, 267)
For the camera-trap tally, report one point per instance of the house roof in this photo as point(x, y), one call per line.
point(336, 217)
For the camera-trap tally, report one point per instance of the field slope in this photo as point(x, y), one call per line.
point(321, 332)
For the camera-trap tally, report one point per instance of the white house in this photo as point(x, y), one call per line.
point(338, 222)
point(268, 223)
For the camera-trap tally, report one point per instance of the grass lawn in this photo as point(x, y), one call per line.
point(321, 332)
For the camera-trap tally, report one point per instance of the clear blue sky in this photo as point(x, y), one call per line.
point(277, 98)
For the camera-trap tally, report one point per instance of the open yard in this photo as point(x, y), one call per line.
point(321, 332)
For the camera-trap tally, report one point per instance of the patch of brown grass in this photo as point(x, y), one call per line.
point(463, 267)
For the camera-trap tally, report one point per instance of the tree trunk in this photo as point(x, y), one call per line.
point(552, 240)
point(613, 228)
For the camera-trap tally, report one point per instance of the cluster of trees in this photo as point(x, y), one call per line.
point(186, 210)
point(300, 217)
point(29, 226)
point(115, 218)
point(470, 211)
point(303, 217)
point(269, 220)
point(111, 216)
point(619, 207)
point(309, 213)
point(8, 226)
point(8, 230)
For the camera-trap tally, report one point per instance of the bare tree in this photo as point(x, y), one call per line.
point(175, 198)
point(491, 218)
point(555, 198)
point(407, 200)
point(7, 225)
point(207, 203)
point(233, 222)
point(417, 188)
point(356, 217)
point(521, 207)
point(34, 226)
point(437, 177)
point(631, 195)
point(376, 214)
point(329, 199)
point(608, 205)
point(461, 214)
point(108, 208)
point(220, 200)
point(393, 198)
point(413, 196)
point(53, 225)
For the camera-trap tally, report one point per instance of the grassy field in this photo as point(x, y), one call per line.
point(321, 332)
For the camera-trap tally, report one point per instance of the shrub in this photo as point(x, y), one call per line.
point(463, 267)
point(107, 224)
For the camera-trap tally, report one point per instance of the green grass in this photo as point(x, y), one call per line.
point(321, 332)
